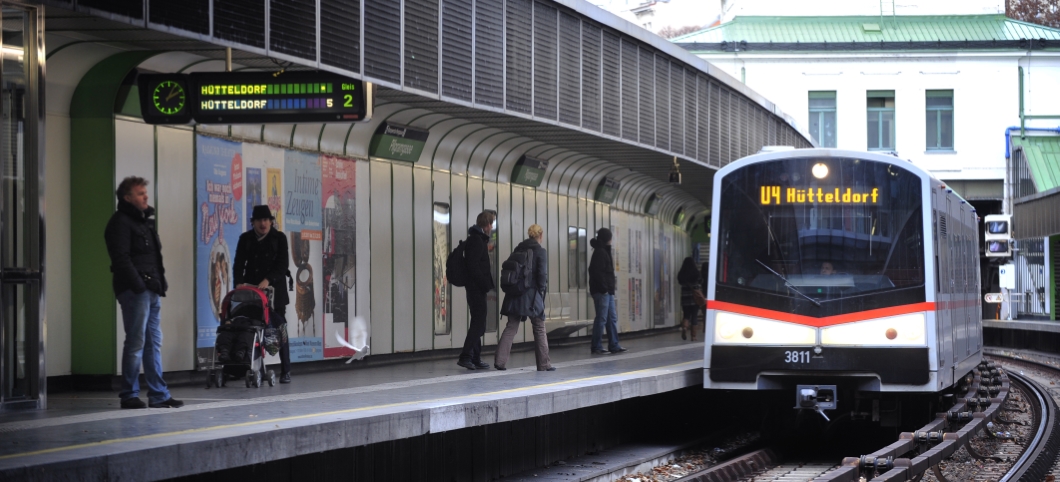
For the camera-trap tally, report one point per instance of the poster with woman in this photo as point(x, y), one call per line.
point(441, 295)
point(303, 222)
point(219, 217)
point(339, 250)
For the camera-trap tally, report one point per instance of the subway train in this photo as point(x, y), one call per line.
point(836, 273)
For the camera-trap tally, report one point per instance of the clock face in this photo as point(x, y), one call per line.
point(168, 97)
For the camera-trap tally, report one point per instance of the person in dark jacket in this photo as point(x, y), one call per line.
point(528, 304)
point(262, 258)
point(602, 287)
point(689, 279)
point(139, 284)
point(479, 282)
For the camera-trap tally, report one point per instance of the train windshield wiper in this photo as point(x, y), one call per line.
point(789, 285)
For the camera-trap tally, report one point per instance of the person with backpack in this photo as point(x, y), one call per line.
point(262, 259)
point(690, 281)
point(602, 282)
point(479, 274)
point(524, 279)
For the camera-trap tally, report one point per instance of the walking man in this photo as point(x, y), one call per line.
point(602, 286)
point(139, 282)
point(479, 282)
point(528, 304)
point(261, 260)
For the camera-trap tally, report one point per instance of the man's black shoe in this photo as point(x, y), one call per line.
point(171, 403)
point(499, 367)
point(480, 364)
point(466, 364)
point(618, 350)
point(285, 378)
point(133, 402)
point(549, 369)
point(599, 352)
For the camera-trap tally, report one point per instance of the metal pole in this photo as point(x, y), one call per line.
point(228, 68)
point(1023, 134)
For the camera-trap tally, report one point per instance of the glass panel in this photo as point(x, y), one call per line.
point(15, 380)
point(583, 259)
point(829, 128)
point(815, 126)
point(932, 130)
point(874, 130)
point(887, 129)
point(822, 100)
point(572, 258)
point(877, 102)
point(862, 218)
point(442, 296)
point(13, 97)
point(946, 134)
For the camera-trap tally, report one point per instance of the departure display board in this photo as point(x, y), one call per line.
point(252, 98)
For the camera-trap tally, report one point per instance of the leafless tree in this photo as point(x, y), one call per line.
point(1041, 12)
point(671, 32)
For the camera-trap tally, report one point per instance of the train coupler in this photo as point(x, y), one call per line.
point(816, 397)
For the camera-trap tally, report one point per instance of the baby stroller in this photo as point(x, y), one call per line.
point(241, 338)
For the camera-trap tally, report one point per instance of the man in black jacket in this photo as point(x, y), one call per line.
point(261, 260)
point(139, 283)
point(480, 281)
point(602, 286)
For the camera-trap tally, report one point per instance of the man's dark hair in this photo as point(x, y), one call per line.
point(128, 184)
point(485, 218)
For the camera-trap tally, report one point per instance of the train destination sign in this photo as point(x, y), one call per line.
point(252, 97)
point(776, 195)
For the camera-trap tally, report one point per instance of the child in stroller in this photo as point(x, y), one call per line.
point(242, 339)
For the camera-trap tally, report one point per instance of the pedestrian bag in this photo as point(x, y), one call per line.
point(517, 272)
point(456, 267)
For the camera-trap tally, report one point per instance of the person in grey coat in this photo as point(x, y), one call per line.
point(528, 304)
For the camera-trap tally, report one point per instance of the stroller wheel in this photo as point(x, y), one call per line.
point(249, 378)
point(257, 379)
point(272, 378)
point(222, 379)
point(210, 379)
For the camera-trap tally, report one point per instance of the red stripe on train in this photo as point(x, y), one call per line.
point(820, 322)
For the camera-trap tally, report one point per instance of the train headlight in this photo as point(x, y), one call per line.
point(903, 330)
point(733, 329)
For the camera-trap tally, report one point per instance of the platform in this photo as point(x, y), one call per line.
point(1025, 325)
point(84, 436)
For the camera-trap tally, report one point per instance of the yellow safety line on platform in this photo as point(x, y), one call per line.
point(311, 415)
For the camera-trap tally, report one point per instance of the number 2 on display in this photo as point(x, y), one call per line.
point(796, 357)
point(349, 100)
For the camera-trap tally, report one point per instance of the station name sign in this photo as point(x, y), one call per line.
point(251, 97)
point(776, 195)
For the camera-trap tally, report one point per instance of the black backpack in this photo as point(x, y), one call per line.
point(456, 267)
point(517, 272)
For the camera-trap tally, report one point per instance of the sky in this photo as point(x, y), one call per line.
point(675, 13)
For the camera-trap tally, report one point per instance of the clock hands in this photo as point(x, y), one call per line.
point(172, 93)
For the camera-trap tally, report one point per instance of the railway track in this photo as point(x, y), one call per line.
point(1004, 428)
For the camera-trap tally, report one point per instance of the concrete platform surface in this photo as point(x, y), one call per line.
point(1026, 325)
point(84, 436)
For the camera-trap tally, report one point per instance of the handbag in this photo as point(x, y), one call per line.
point(699, 299)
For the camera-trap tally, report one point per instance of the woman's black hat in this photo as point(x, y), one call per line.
point(262, 212)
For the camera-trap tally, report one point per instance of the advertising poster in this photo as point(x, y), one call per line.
point(219, 218)
point(253, 183)
point(663, 277)
point(441, 252)
point(275, 193)
point(339, 249)
point(303, 225)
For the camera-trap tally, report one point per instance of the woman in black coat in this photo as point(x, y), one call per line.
point(528, 304)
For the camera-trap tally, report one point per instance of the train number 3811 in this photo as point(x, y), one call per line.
point(797, 357)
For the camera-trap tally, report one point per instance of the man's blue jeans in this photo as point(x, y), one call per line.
point(606, 314)
point(143, 343)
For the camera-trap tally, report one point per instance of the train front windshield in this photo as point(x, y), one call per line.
point(820, 236)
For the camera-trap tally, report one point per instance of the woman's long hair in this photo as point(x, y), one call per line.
point(688, 274)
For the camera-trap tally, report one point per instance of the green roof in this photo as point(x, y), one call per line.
point(1043, 159)
point(945, 28)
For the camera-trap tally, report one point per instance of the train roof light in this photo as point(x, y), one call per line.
point(820, 170)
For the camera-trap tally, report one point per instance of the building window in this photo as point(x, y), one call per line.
point(940, 120)
point(881, 120)
point(822, 118)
